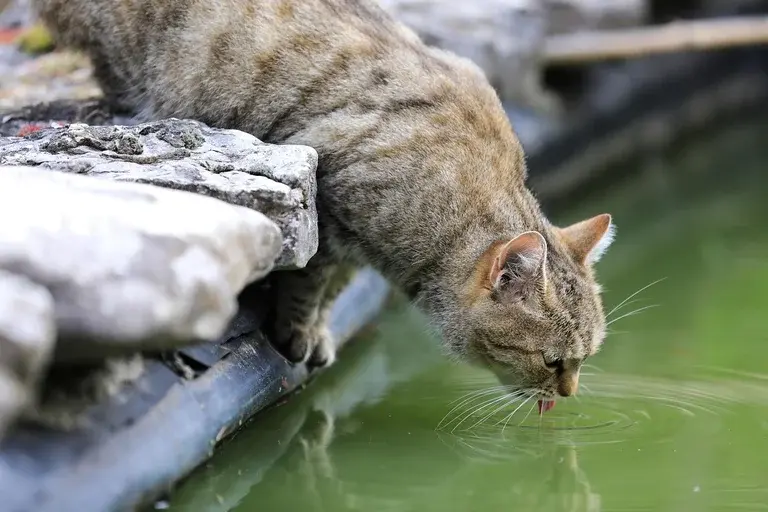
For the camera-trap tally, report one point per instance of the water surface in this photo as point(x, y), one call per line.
point(673, 416)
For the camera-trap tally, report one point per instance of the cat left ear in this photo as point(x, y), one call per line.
point(589, 239)
point(518, 265)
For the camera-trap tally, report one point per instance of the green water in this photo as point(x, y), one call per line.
point(672, 417)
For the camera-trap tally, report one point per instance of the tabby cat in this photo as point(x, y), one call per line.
point(420, 174)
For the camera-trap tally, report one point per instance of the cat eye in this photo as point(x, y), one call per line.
point(552, 364)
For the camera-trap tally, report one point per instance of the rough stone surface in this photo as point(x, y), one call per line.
point(278, 181)
point(129, 266)
point(505, 37)
point(27, 335)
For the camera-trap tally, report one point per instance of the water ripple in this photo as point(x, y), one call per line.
point(611, 409)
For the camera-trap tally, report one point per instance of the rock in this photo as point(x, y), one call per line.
point(129, 266)
point(27, 334)
point(27, 326)
point(278, 181)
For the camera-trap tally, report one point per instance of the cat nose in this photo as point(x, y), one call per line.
point(568, 383)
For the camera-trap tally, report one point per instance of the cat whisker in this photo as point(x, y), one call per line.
point(472, 412)
point(527, 394)
point(475, 395)
point(619, 308)
point(468, 398)
point(465, 413)
point(632, 313)
point(449, 417)
point(633, 295)
point(477, 392)
point(512, 397)
point(513, 412)
point(593, 367)
point(530, 410)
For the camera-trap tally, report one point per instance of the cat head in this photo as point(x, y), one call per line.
point(533, 311)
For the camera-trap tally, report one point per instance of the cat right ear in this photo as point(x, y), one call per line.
point(518, 265)
point(589, 239)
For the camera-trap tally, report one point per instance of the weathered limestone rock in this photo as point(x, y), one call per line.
point(27, 334)
point(278, 181)
point(505, 37)
point(129, 266)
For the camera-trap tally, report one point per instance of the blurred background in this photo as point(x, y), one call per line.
point(652, 110)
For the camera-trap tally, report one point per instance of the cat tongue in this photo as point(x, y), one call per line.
point(545, 405)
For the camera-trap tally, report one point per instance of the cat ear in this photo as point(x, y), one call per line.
point(518, 265)
point(589, 239)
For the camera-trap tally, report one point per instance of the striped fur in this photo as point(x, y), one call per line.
point(420, 173)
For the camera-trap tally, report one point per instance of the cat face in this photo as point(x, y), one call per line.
point(535, 313)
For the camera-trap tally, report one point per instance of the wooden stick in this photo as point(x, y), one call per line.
point(583, 47)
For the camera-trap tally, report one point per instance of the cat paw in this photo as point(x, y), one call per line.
point(324, 351)
point(313, 346)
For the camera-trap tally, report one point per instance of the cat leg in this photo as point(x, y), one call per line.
point(116, 92)
point(296, 333)
point(338, 278)
point(299, 293)
point(304, 301)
